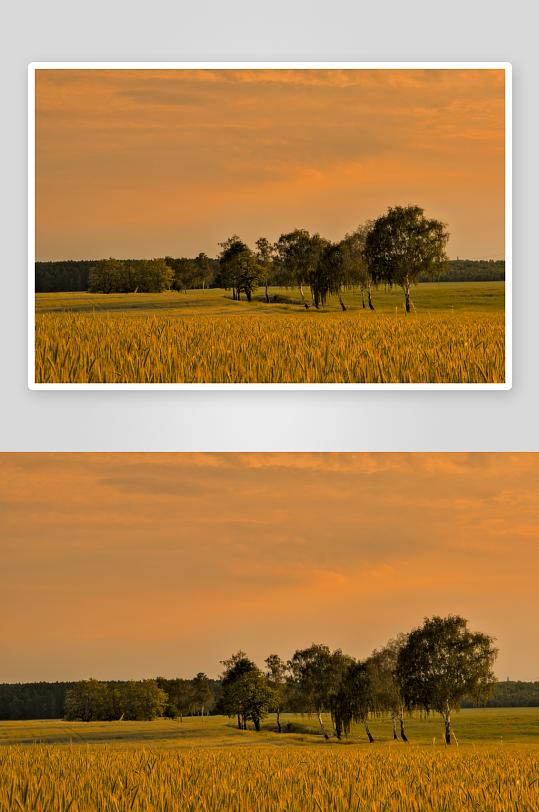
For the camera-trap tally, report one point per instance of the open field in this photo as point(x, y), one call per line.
point(153, 338)
point(471, 725)
point(210, 765)
point(470, 297)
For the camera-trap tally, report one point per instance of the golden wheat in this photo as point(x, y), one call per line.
point(337, 348)
point(248, 779)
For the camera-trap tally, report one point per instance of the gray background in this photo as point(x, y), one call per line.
point(268, 420)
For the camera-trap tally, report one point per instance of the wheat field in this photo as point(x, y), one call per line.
point(338, 779)
point(284, 348)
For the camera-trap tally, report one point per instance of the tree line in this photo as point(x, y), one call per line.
point(400, 248)
point(73, 275)
point(437, 667)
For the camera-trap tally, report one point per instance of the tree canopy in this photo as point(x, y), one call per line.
point(441, 663)
point(403, 244)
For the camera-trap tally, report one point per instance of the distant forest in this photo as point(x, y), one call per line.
point(46, 700)
point(73, 275)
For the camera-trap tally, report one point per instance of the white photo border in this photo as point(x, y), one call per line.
point(505, 66)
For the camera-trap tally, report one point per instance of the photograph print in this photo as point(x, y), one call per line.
point(220, 224)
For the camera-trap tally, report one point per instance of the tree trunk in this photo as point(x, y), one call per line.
point(447, 723)
point(256, 720)
point(340, 300)
point(248, 294)
point(202, 286)
point(401, 720)
point(394, 725)
point(362, 295)
point(371, 740)
point(322, 726)
point(407, 294)
point(267, 297)
point(239, 722)
point(369, 295)
point(202, 712)
point(279, 719)
point(181, 717)
point(303, 297)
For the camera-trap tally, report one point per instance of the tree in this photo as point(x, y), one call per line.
point(275, 676)
point(356, 269)
point(238, 269)
point(265, 256)
point(441, 663)
point(85, 701)
point(203, 692)
point(246, 693)
point(181, 694)
point(354, 699)
point(203, 273)
point(386, 692)
point(185, 272)
point(403, 244)
point(106, 276)
point(90, 700)
point(298, 254)
point(315, 678)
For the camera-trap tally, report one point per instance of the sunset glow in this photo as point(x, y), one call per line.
point(120, 566)
point(144, 163)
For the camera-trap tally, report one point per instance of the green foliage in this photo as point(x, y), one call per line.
point(442, 662)
point(404, 244)
point(298, 254)
point(202, 691)
point(181, 694)
point(246, 692)
point(90, 701)
point(145, 276)
point(509, 694)
point(239, 269)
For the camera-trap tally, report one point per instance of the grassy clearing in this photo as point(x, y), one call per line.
point(430, 297)
point(213, 767)
point(471, 726)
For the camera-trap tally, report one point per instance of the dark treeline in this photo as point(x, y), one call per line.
point(70, 276)
point(472, 270)
point(47, 700)
point(511, 694)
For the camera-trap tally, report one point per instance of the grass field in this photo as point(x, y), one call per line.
point(184, 767)
point(456, 334)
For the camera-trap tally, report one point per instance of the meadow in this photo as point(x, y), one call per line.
point(455, 334)
point(53, 766)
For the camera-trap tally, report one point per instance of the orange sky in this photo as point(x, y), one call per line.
point(121, 566)
point(143, 163)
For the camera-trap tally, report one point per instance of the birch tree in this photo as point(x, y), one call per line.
point(265, 256)
point(385, 686)
point(357, 271)
point(403, 244)
point(276, 678)
point(441, 663)
point(298, 254)
point(315, 678)
point(354, 700)
point(203, 692)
